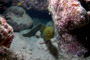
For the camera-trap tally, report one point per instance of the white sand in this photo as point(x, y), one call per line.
point(31, 46)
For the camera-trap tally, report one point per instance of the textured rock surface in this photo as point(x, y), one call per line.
point(5, 53)
point(6, 33)
point(17, 18)
point(68, 15)
point(35, 4)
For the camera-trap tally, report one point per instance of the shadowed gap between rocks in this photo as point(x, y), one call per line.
point(39, 14)
point(84, 4)
point(83, 36)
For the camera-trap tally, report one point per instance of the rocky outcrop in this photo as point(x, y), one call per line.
point(70, 22)
point(17, 18)
point(6, 33)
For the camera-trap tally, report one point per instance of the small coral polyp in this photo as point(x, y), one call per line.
point(6, 33)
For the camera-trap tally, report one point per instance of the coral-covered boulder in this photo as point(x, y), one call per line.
point(17, 18)
point(71, 27)
point(40, 5)
point(6, 33)
point(68, 15)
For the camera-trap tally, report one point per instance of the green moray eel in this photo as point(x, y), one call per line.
point(33, 31)
point(46, 33)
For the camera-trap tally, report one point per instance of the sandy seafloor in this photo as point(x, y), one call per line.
point(29, 48)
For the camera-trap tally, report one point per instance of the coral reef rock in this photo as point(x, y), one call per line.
point(68, 15)
point(7, 54)
point(6, 33)
point(17, 18)
point(70, 21)
point(35, 4)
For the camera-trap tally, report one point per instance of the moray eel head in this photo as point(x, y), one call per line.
point(48, 33)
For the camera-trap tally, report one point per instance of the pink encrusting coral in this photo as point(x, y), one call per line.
point(69, 15)
point(6, 33)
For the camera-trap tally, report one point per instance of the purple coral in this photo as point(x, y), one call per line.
point(69, 18)
point(68, 15)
